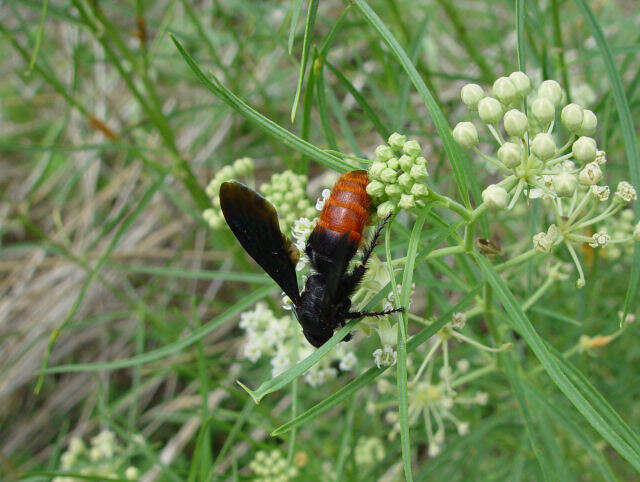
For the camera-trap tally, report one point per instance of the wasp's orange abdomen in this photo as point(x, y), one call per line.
point(347, 208)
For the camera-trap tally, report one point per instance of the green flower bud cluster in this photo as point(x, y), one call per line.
point(240, 169)
point(101, 459)
point(397, 178)
point(287, 192)
point(272, 467)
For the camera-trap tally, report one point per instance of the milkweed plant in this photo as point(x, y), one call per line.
point(501, 148)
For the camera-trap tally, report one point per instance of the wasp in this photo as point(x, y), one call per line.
point(324, 304)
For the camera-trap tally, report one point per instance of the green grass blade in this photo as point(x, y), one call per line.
point(439, 120)
point(628, 133)
point(263, 123)
point(520, 14)
point(325, 119)
point(171, 348)
point(194, 274)
point(306, 44)
point(295, 16)
point(362, 102)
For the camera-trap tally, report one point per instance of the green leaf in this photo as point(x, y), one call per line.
point(263, 123)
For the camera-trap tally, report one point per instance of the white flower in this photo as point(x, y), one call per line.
point(322, 199)
point(434, 450)
point(601, 193)
point(348, 362)
point(463, 365)
point(385, 356)
point(601, 157)
point(463, 428)
point(625, 193)
point(544, 242)
point(482, 398)
point(599, 240)
point(458, 320)
point(591, 174)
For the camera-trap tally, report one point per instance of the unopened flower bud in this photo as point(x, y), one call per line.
point(543, 110)
point(515, 123)
point(572, 117)
point(420, 161)
point(385, 209)
point(510, 154)
point(471, 94)
point(419, 190)
point(419, 171)
point(412, 148)
point(625, 193)
point(393, 190)
point(405, 162)
point(591, 174)
point(375, 189)
point(465, 134)
point(393, 163)
point(376, 169)
point(584, 149)
point(407, 201)
point(396, 141)
point(543, 146)
point(490, 110)
point(589, 123)
point(388, 175)
point(521, 82)
point(495, 197)
point(383, 153)
point(565, 184)
point(551, 90)
point(504, 90)
point(405, 180)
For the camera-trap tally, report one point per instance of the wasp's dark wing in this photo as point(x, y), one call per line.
point(254, 221)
